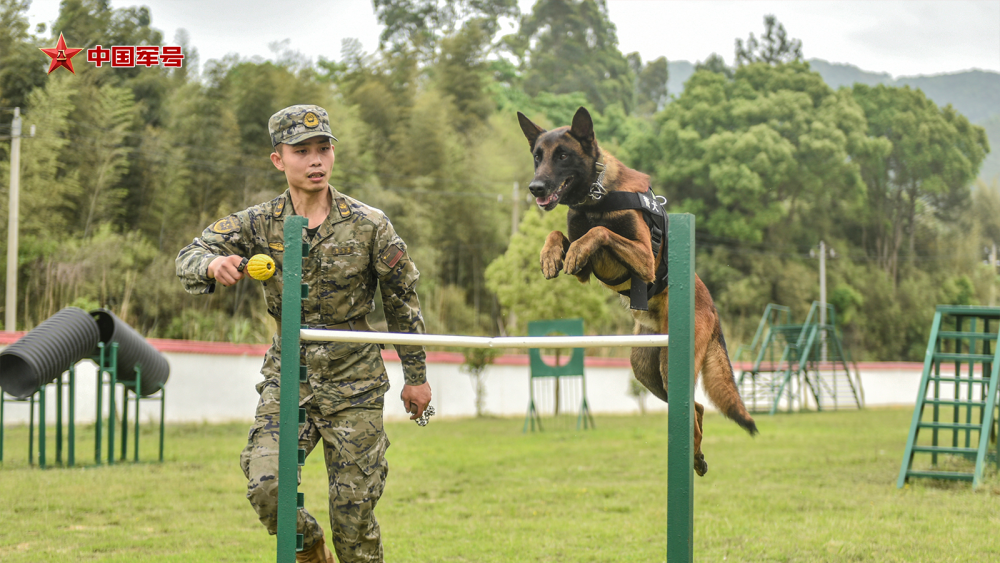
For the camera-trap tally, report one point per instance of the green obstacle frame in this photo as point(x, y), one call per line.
point(680, 422)
point(797, 363)
point(573, 368)
point(106, 360)
point(960, 404)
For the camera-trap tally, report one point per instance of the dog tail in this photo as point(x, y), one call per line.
point(720, 382)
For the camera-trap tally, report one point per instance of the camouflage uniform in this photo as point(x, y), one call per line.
point(354, 250)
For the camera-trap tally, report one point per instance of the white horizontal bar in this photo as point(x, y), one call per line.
point(634, 341)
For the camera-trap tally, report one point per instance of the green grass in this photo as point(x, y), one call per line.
point(811, 487)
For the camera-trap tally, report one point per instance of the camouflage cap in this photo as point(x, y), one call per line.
point(295, 124)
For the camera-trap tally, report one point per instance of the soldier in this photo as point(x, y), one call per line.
point(353, 248)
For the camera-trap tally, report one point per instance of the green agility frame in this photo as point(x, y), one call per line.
point(105, 359)
point(958, 404)
point(680, 422)
point(573, 368)
point(793, 362)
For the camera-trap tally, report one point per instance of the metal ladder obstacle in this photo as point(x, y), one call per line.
point(812, 365)
point(540, 370)
point(962, 402)
point(680, 422)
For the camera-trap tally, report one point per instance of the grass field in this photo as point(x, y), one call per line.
point(811, 487)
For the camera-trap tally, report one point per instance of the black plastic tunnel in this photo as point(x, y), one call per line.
point(133, 351)
point(46, 351)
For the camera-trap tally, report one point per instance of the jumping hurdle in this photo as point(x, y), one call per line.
point(680, 421)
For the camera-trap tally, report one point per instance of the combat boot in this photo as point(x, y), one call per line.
point(319, 553)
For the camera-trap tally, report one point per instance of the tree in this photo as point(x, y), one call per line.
point(650, 93)
point(715, 63)
point(567, 46)
point(108, 159)
point(462, 73)
point(19, 68)
point(754, 155)
point(421, 24)
point(48, 183)
point(775, 46)
point(475, 364)
point(933, 156)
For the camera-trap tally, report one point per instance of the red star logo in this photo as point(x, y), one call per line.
point(61, 55)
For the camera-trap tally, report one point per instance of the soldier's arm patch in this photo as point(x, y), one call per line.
point(226, 225)
point(390, 257)
point(343, 208)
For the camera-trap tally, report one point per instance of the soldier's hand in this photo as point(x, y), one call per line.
point(224, 270)
point(415, 399)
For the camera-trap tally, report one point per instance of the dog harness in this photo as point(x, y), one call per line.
point(656, 219)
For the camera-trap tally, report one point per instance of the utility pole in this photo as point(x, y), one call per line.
point(822, 294)
point(10, 306)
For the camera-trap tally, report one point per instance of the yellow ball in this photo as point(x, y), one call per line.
point(260, 267)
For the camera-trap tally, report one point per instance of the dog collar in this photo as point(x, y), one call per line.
point(597, 189)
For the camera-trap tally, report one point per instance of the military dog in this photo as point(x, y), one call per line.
point(616, 247)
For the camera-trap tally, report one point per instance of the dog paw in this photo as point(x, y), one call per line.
point(700, 465)
point(575, 260)
point(551, 264)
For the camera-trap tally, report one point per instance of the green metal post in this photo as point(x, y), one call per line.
point(31, 430)
point(288, 433)
point(59, 436)
point(163, 412)
point(111, 402)
point(124, 444)
point(41, 427)
point(72, 416)
point(987, 424)
point(100, 395)
point(969, 386)
point(680, 422)
point(937, 408)
point(958, 376)
point(921, 396)
point(138, 394)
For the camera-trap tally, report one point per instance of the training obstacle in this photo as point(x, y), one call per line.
point(540, 371)
point(680, 422)
point(50, 352)
point(798, 364)
point(963, 401)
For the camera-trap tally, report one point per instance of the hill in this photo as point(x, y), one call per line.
point(974, 93)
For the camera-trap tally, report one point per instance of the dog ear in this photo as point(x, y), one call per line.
point(583, 126)
point(531, 131)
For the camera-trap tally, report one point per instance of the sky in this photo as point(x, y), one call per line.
point(902, 38)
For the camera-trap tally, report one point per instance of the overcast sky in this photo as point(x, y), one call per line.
point(901, 37)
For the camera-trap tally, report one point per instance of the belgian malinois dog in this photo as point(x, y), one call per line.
point(616, 245)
